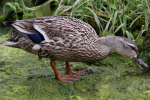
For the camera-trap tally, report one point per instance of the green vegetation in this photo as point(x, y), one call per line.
point(24, 77)
point(116, 16)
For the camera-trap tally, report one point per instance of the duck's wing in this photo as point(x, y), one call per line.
point(54, 26)
point(64, 27)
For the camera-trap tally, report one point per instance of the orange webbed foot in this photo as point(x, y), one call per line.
point(69, 78)
point(70, 72)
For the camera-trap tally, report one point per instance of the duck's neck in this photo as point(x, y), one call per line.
point(102, 47)
point(107, 44)
point(114, 43)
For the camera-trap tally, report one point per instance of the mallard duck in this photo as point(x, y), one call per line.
point(67, 39)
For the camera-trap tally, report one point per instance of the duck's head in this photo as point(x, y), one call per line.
point(126, 47)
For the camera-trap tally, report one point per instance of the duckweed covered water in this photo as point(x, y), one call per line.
point(24, 77)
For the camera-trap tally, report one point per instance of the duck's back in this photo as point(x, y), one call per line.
point(55, 26)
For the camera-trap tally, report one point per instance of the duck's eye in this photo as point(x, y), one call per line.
point(132, 46)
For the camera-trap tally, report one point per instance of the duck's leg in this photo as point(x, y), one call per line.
point(72, 79)
point(70, 72)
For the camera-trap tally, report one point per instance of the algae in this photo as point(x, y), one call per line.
point(24, 77)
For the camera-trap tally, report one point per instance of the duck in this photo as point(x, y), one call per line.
point(68, 39)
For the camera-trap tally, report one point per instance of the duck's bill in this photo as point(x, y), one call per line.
point(141, 63)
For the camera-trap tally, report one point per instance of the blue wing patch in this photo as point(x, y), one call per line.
point(35, 37)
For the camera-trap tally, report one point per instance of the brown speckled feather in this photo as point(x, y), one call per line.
point(56, 26)
point(66, 38)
